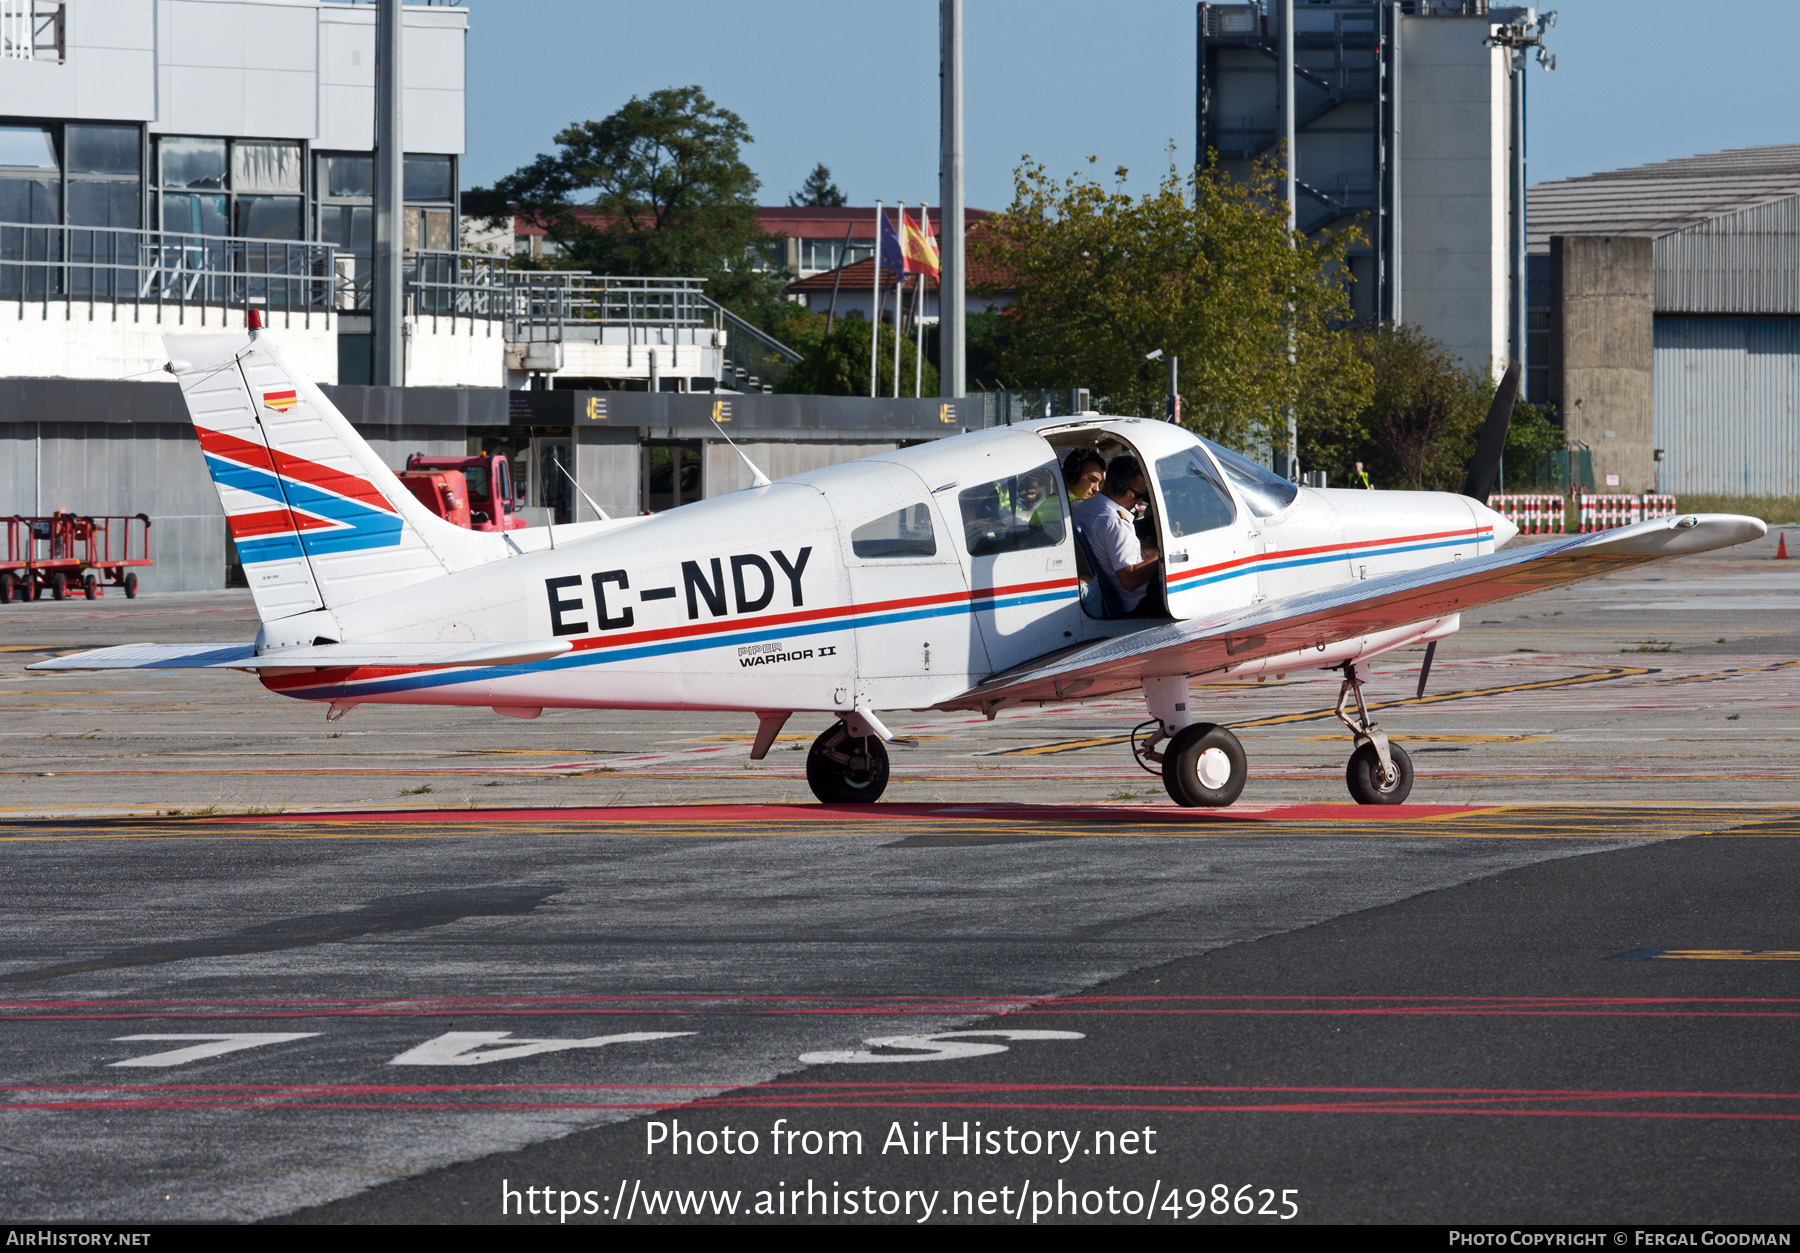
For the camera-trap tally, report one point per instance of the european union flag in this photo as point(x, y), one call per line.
point(893, 257)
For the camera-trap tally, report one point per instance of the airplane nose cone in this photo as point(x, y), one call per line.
point(1503, 530)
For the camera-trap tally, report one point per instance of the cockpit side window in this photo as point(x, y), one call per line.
point(1194, 499)
point(1266, 492)
point(1013, 514)
point(903, 533)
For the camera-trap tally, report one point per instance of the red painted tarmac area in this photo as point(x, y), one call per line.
point(1024, 816)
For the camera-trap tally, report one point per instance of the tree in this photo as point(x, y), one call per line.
point(1417, 429)
point(658, 188)
point(1203, 269)
point(838, 364)
point(818, 192)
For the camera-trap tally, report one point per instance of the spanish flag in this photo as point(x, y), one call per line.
point(281, 402)
point(917, 246)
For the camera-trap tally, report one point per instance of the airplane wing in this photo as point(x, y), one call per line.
point(245, 657)
point(1318, 619)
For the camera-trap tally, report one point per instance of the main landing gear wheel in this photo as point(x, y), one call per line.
point(845, 769)
point(1370, 785)
point(1204, 766)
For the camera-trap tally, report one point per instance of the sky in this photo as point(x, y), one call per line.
point(853, 83)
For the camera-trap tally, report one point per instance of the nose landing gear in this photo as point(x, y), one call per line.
point(846, 769)
point(1380, 772)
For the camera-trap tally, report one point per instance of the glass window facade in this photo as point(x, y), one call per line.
point(428, 178)
point(103, 150)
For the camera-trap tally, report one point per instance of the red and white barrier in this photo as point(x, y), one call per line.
point(1658, 506)
point(1532, 514)
point(1602, 513)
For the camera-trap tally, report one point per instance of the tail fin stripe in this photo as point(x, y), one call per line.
point(295, 469)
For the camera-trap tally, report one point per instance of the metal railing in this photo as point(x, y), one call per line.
point(438, 283)
point(548, 302)
point(107, 265)
point(113, 267)
point(751, 353)
point(32, 30)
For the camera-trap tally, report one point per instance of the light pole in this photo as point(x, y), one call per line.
point(1171, 402)
point(1519, 37)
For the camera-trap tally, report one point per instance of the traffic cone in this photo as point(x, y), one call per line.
point(1781, 547)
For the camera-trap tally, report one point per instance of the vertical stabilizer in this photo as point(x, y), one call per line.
point(319, 521)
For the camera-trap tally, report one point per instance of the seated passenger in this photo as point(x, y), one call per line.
point(1108, 521)
point(1040, 508)
point(1082, 470)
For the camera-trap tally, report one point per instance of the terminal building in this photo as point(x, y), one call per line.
point(166, 166)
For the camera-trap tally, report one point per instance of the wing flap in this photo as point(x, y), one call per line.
point(1319, 619)
point(415, 656)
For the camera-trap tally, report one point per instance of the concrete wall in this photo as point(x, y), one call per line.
point(1454, 213)
point(281, 69)
point(66, 340)
point(724, 471)
point(607, 467)
point(446, 352)
point(1603, 358)
point(622, 352)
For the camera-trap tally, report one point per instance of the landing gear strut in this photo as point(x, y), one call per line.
point(846, 769)
point(1380, 772)
point(1202, 763)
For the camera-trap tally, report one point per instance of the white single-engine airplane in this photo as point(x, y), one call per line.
point(944, 576)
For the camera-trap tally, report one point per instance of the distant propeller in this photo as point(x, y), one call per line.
point(1490, 444)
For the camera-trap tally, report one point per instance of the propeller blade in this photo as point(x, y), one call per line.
point(1490, 444)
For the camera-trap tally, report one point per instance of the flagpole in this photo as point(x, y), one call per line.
point(875, 308)
point(919, 311)
point(899, 290)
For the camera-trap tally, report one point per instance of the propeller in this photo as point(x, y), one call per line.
point(1490, 443)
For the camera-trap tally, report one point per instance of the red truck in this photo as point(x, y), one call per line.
point(474, 492)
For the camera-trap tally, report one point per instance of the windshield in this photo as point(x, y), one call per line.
point(1265, 491)
point(477, 477)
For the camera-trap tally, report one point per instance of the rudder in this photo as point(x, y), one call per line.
point(319, 521)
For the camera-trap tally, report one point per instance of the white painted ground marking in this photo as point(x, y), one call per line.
point(216, 1046)
point(939, 1047)
point(464, 1048)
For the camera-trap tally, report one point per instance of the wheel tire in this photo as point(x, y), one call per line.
point(131, 587)
point(90, 586)
point(59, 586)
point(6, 588)
point(843, 769)
point(1363, 775)
point(1204, 766)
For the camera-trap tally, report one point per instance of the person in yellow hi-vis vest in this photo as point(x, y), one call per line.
point(1359, 477)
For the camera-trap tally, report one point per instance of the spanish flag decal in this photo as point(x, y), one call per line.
point(281, 402)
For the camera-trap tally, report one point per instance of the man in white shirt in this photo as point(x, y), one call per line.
point(1108, 521)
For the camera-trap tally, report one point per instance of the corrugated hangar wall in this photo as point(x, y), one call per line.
point(1728, 405)
point(1727, 356)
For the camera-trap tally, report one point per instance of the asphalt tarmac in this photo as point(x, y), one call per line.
point(420, 961)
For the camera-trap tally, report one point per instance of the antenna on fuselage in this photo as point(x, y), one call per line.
point(598, 511)
point(757, 477)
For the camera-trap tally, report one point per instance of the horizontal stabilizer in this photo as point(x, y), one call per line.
point(412, 656)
